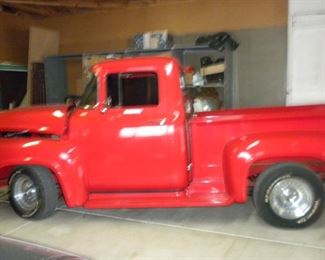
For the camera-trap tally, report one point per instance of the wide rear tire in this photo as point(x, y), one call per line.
point(33, 192)
point(289, 195)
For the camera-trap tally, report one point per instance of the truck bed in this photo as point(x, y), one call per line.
point(215, 136)
point(267, 113)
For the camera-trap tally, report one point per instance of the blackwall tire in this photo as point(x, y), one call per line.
point(289, 195)
point(33, 192)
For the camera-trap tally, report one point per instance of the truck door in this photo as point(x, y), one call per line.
point(135, 138)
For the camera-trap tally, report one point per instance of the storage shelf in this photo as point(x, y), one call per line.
point(208, 85)
point(55, 72)
point(13, 68)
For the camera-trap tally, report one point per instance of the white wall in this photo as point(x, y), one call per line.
point(306, 52)
point(42, 43)
point(301, 7)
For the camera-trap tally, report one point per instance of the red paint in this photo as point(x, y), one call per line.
point(130, 157)
point(40, 119)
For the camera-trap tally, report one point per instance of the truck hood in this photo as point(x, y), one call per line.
point(37, 119)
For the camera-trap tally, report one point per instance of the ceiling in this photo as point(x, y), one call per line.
point(50, 8)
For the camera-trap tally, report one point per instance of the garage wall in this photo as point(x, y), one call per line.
point(14, 38)
point(111, 29)
point(261, 59)
point(262, 67)
point(306, 56)
point(259, 25)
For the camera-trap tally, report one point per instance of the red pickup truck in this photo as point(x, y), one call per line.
point(131, 142)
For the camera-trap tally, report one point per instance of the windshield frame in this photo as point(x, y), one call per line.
point(91, 87)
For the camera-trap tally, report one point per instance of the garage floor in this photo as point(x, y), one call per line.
point(197, 233)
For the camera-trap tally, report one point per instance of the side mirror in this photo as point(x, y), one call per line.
point(108, 102)
point(71, 99)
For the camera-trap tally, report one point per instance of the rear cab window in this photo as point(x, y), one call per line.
point(133, 89)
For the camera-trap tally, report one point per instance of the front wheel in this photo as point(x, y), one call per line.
point(33, 192)
point(289, 195)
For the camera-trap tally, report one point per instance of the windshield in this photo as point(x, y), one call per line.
point(89, 97)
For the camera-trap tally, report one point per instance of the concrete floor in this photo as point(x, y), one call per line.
point(197, 233)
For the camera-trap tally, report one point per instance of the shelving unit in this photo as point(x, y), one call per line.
point(224, 88)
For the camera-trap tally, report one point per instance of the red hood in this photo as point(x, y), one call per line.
point(39, 119)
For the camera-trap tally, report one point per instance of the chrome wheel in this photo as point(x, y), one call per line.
point(291, 198)
point(25, 194)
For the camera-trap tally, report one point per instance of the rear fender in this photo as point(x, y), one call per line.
point(240, 154)
point(58, 156)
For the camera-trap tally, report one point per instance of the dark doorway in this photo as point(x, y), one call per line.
point(13, 86)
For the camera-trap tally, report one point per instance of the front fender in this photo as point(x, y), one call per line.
point(240, 154)
point(59, 156)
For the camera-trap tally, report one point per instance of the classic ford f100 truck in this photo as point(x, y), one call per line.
point(131, 142)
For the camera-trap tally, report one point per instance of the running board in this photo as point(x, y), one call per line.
point(156, 200)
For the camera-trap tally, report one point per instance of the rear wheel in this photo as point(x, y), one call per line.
point(33, 192)
point(289, 195)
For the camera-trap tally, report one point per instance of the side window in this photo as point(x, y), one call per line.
point(133, 89)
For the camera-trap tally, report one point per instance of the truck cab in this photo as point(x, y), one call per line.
point(134, 127)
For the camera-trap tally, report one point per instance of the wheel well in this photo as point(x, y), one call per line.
point(7, 171)
point(316, 165)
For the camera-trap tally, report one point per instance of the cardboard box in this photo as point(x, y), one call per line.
point(188, 78)
point(153, 40)
point(213, 69)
